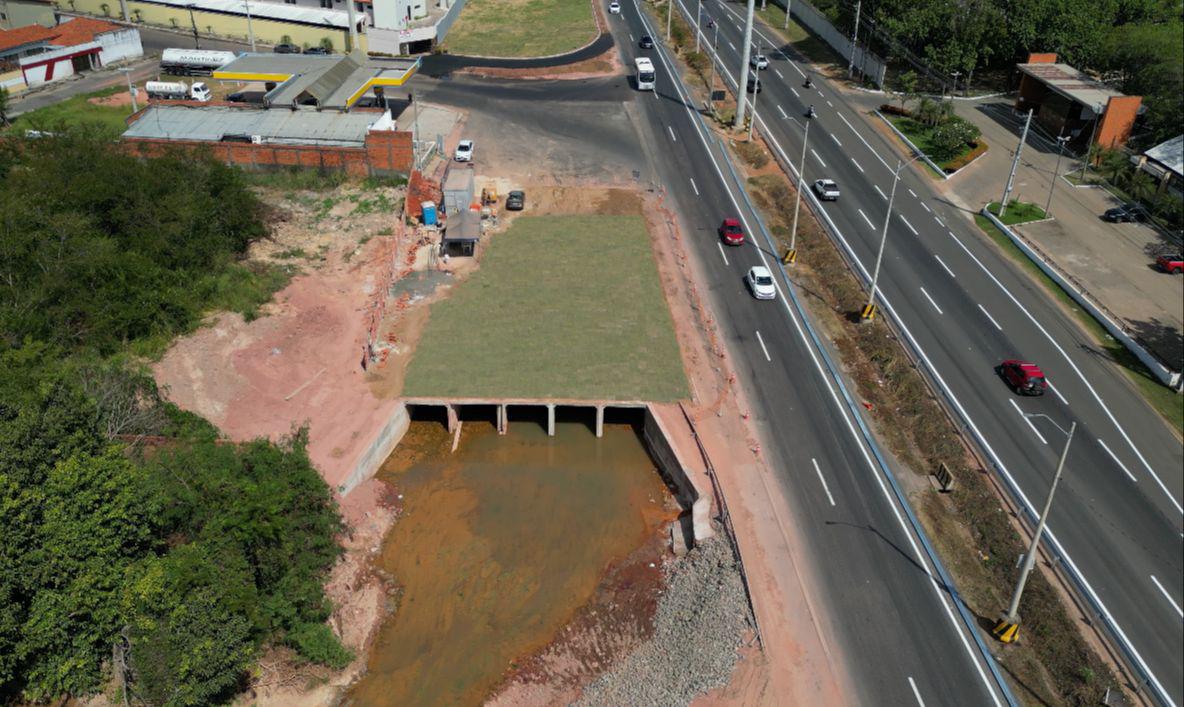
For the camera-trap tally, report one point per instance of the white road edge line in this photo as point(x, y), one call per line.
point(947, 267)
point(812, 152)
point(1055, 391)
point(984, 311)
point(1027, 420)
point(671, 133)
point(763, 347)
point(721, 252)
point(1116, 461)
point(823, 480)
point(865, 218)
point(916, 692)
point(906, 222)
point(1162, 591)
point(931, 301)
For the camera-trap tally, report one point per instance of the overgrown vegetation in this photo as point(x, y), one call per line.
point(948, 139)
point(76, 111)
point(138, 551)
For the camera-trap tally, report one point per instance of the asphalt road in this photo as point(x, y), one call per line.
point(1117, 514)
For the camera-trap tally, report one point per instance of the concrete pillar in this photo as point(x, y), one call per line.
point(551, 419)
point(503, 422)
point(452, 417)
point(599, 420)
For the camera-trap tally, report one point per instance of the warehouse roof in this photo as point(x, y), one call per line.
point(320, 17)
point(326, 81)
point(215, 123)
point(1071, 83)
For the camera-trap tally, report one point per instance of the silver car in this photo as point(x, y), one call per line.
point(826, 189)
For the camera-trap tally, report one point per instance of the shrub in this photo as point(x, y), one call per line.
point(316, 643)
point(951, 137)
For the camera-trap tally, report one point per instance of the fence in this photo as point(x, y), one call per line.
point(870, 65)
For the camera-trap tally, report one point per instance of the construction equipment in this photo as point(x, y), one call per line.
point(489, 196)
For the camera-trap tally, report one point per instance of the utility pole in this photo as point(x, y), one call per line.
point(698, 28)
point(1014, 164)
point(131, 90)
point(869, 309)
point(854, 40)
point(250, 29)
point(714, 58)
point(752, 120)
point(353, 25)
point(954, 89)
point(192, 21)
point(669, 17)
point(1056, 172)
point(791, 255)
point(415, 130)
point(745, 56)
point(1008, 628)
point(788, 7)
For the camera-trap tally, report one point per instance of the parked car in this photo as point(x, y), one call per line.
point(464, 151)
point(759, 62)
point(614, 7)
point(286, 48)
point(1171, 264)
point(647, 42)
point(318, 50)
point(1024, 377)
point(754, 84)
point(1127, 213)
point(826, 189)
point(731, 233)
point(760, 282)
point(515, 200)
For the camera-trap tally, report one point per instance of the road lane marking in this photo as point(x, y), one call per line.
point(832, 137)
point(857, 165)
point(1116, 461)
point(1027, 420)
point(762, 343)
point(812, 152)
point(943, 264)
point(939, 223)
point(631, 37)
point(778, 74)
point(823, 480)
point(865, 218)
point(782, 112)
point(721, 252)
point(1055, 391)
point(931, 301)
point(733, 46)
point(880, 192)
point(795, 92)
point(912, 193)
point(1161, 590)
point(671, 133)
point(696, 188)
point(832, 105)
point(984, 311)
point(906, 222)
point(916, 692)
point(925, 206)
point(849, 125)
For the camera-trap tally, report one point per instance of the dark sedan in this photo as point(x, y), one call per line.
point(516, 201)
point(647, 42)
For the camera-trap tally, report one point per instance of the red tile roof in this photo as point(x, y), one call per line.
point(67, 34)
point(29, 34)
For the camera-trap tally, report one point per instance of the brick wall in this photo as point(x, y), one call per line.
point(419, 190)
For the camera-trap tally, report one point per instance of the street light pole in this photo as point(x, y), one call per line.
point(791, 255)
point(788, 6)
point(1014, 164)
point(869, 309)
point(669, 17)
point(1007, 630)
point(250, 28)
point(854, 40)
point(745, 56)
point(192, 21)
point(756, 90)
point(131, 90)
point(698, 28)
point(714, 57)
point(1061, 140)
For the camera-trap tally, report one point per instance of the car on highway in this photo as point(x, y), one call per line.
point(1024, 377)
point(318, 50)
point(730, 232)
point(647, 42)
point(614, 7)
point(760, 282)
point(759, 62)
point(754, 84)
point(1171, 264)
point(516, 200)
point(464, 151)
point(286, 48)
point(826, 189)
point(1127, 213)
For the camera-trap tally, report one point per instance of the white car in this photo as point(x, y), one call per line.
point(826, 189)
point(614, 8)
point(759, 62)
point(464, 151)
point(760, 282)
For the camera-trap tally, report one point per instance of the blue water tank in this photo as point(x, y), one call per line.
point(429, 213)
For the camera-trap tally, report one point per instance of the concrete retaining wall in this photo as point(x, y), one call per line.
point(657, 442)
point(378, 450)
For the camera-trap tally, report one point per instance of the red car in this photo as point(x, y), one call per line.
point(731, 233)
point(1024, 378)
point(1171, 264)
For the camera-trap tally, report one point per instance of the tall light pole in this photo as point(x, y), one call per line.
point(669, 17)
point(854, 40)
point(954, 91)
point(869, 309)
point(714, 58)
point(353, 25)
point(1056, 172)
point(698, 29)
point(788, 6)
point(250, 28)
point(1008, 628)
point(131, 90)
point(192, 21)
point(755, 90)
point(791, 255)
point(745, 56)
point(1015, 162)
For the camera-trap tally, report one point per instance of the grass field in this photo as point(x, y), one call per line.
point(1017, 212)
point(521, 28)
point(76, 111)
point(561, 307)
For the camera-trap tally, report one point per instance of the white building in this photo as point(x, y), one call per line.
point(53, 53)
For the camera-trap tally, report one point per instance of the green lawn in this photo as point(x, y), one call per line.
point(561, 307)
point(522, 28)
point(76, 111)
point(1018, 212)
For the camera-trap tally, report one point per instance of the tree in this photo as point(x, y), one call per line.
point(908, 87)
point(4, 107)
point(951, 137)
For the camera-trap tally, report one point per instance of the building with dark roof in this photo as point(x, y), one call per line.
point(1069, 102)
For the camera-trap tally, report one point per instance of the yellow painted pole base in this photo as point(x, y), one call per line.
point(790, 257)
point(1006, 631)
point(869, 312)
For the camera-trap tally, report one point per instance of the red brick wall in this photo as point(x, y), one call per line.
point(419, 190)
point(1117, 121)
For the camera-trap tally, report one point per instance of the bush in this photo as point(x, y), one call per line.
point(977, 148)
point(951, 137)
point(752, 153)
point(316, 643)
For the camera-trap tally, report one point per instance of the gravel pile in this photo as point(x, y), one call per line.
point(701, 619)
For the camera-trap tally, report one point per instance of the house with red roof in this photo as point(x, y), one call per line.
point(45, 54)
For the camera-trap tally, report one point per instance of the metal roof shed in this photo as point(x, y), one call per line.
point(461, 234)
point(458, 189)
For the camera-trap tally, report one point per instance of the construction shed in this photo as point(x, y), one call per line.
point(458, 189)
point(462, 232)
point(1069, 102)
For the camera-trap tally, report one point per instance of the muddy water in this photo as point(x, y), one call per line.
point(499, 544)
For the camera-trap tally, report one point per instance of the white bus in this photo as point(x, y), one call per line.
point(645, 73)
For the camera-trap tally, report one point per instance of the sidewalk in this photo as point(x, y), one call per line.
point(1112, 263)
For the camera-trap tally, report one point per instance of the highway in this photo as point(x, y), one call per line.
point(965, 307)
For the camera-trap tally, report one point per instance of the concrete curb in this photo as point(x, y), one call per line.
point(1163, 373)
point(916, 150)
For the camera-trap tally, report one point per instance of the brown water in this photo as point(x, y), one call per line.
point(499, 544)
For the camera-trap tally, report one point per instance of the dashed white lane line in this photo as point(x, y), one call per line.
point(1116, 461)
point(912, 193)
point(832, 105)
point(763, 348)
point(1055, 391)
point(1028, 420)
point(931, 301)
point(671, 133)
point(925, 206)
point(865, 218)
point(631, 37)
point(832, 137)
point(823, 480)
point(795, 92)
point(1161, 591)
point(812, 152)
point(906, 222)
point(916, 692)
point(880, 192)
point(857, 165)
point(988, 314)
point(943, 264)
point(721, 252)
point(696, 188)
point(939, 223)
point(778, 74)
point(733, 46)
point(782, 112)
